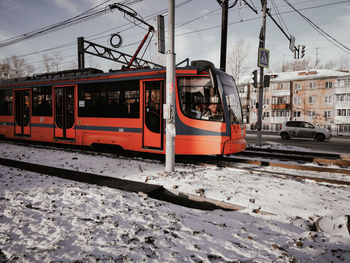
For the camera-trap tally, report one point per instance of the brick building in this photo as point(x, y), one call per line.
point(321, 97)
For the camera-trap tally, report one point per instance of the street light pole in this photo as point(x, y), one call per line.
point(261, 86)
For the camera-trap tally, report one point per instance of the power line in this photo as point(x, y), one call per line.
point(259, 17)
point(86, 15)
point(279, 17)
point(321, 31)
point(72, 43)
point(186, 33)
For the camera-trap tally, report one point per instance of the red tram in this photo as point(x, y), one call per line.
point(125, 108)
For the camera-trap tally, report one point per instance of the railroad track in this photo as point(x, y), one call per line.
point(157, 191)
point(232, 163)
point(273, 158)
point(297, 156)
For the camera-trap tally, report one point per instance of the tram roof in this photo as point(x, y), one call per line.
point(88, 73)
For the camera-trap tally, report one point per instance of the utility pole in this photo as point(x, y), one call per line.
point(261, 86)
point(224, 7)
point(169, 107)
point(316, 64)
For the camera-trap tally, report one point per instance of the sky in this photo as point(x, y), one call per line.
point(48, 219)
point(198, 30)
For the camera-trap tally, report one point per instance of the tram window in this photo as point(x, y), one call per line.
point(42, 101)
point(199, 99)
point(110, 100)
point(232, 98)
point(6, 102)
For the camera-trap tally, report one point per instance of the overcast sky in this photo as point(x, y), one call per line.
point(197, 29)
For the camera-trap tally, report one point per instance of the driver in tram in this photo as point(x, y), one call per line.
point(213, 111)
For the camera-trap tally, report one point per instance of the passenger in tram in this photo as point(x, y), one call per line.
point(198, 111)
point(45, 107)
point(134, 108)
point(153, 113)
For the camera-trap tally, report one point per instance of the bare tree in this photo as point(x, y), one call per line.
point(237, 59)
point(330, 64)
point(14, 67)
point(295, 65)
point(52, 62)
point(343, 63)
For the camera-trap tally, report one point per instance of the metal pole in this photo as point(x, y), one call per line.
point(170, 92)
point(224, 7)
point(261, 86)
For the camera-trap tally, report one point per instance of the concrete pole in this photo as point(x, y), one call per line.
point(261, 86)
point(170, 92)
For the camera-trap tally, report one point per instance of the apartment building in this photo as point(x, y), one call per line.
point(321, 97)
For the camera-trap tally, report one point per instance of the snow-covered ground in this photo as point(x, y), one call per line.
point(47, 219)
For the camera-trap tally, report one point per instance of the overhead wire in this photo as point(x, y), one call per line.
point(92, 37)
point(327, 36)
point(84, 16)
point(259, 17)
point(149, 17)
point(279, 17)
point(194, 31)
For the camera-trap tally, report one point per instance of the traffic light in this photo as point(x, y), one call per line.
point(267, 81)
point(296, 53)
point(302, 51)
point(255, 78)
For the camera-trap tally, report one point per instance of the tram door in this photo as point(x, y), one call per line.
point(22, 112)
point(153, 114)
point(64, 113)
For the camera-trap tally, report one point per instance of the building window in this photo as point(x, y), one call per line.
point(296, 114)
point(311, 114)
point(343, 97)
point(328, 84)
point(338, 82)
point(328, 99)
point(344, 128)
point(266, 114)
point(327, 114)
point(280, 113)
point(296, 100)
point(312, 99)
point(343, 112)
point(297, 87)
point(313, 85)
point(266, 127)
point(280, 100)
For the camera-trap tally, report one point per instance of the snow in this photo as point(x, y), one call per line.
point(300, 75)
point(48, 219)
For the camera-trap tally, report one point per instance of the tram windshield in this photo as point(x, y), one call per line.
point(199, 99)
point(232, 98)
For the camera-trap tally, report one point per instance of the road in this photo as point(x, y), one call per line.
point(337, 144)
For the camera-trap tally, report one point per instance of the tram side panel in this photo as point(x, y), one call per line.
point(109, 113)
